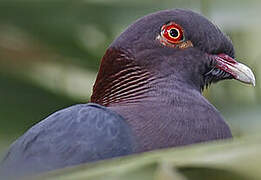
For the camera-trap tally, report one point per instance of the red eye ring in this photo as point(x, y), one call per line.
point(172, 32)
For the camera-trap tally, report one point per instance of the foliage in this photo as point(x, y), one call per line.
point(237, 159)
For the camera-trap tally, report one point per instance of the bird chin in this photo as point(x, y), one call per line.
point(214, 75)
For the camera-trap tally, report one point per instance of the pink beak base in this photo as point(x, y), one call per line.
point(238, 70)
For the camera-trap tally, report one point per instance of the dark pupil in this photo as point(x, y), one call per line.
point(174, 33)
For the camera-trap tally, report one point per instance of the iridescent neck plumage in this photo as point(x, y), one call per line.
point(120, 80)
point(126, 86)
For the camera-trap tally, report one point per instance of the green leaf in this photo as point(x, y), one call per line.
point(227, 160)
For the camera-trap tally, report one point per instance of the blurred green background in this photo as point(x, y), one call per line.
point(50, 53)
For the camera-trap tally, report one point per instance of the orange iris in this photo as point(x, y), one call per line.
point(172, 32)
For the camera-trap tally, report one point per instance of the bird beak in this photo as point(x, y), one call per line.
point(238, 70)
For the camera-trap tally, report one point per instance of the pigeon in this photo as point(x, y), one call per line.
point(147, 96)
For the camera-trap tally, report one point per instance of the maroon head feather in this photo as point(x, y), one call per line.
point(154, 72)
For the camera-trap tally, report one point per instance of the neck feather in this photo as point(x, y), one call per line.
point(126, 86)
point(120, 80)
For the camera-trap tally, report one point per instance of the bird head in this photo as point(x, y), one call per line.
point(173, 44)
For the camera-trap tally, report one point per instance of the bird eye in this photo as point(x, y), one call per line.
point(172, 32)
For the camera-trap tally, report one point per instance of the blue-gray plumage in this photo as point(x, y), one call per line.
point(149, 85)
point(78, 134)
